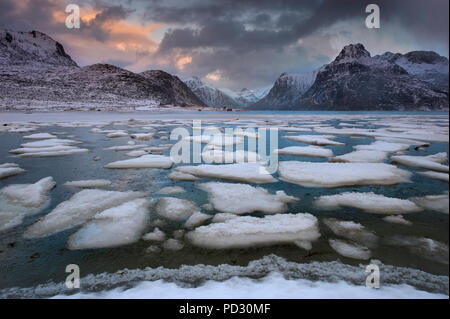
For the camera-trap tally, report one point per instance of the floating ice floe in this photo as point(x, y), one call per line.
point(175, 208)
point(20, 200)
point(352, 231)
point(49, 148)
point(173, 244)
point(431, 162)
point(341, 174)
point(145, 161)
point(368, 202)
point(437, 175)
point(383, 147)
point(78, 209)
point(171, 190)
point(9, 169)
point(438, 203)
point(113, 227)
point(179, 176)
point(117, 134)
point(39, 136)
point(424, 247)
point(136, 153)
point(243, 172)
point(49, 143)
point(196, 219)
point(89, 183)
point(142, 136)
point(350, 250)
point(221, 217)
point(240, 156)
point(361, 156)
point(397, 219)
point(248, 231)
point(155, 235)
point(126, 147)
point(315, 151)
point(243, 198)
point(320, 140)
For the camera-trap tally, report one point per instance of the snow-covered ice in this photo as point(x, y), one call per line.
point(145, 161)
point(175, 208)
point(314, 151)
point(248, 231)
point(243, 172)
point(361, 156)
point(368, 202)
point(113, 227)
point(431, 162)
point(320, 140)
point(341, 174)
point(349, 249)
point(81, 207)
point(89, 183)
point(244, 198)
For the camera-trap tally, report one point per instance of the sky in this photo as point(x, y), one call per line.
point(231, 44)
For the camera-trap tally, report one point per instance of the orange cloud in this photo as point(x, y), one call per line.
point(181, 62)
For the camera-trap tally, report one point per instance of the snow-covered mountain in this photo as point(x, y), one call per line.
point(355, 80)
point(209, 95)
point(247, 97)
point(31, 48)
point(288, 88)
point(35, 72)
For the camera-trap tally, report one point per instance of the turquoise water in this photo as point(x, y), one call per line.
point(29, 262)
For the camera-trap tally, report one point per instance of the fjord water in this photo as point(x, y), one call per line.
point(30, 262)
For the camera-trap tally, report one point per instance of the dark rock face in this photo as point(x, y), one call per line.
point(209, 95)
point(172, 89)
point(354, 80)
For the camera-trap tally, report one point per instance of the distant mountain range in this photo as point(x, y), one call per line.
point(35, 71)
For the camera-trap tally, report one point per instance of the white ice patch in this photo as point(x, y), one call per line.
point(39, 136)
point(18, 201)
point(361, 156)
point(78, 209)
point(142, 136)
point(49, 143)
point(397, 219)
point(136, 153)
point(438, 203)
point(247, 231)
point(341, 174)
point(145, 161)
point(350, 250)
point(368, 202)
point(179, 176)
point(353, 231)
point(89, 183)
point(126, 147)
point(117, 134)
point(431, 162)
point(314, 151)
point(113, 227)
point(155, 235)
point(243, 198)
point(173, 244)
point(221, 217)
point(196, 219)
point(9, 169)
point(171, 190)
point(383, 147)
point(320, 140)
point(240, 156)
point(243, 172)
point(437, 175)
point(175, 208)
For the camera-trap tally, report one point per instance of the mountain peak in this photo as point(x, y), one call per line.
point(352, 52)
point(30, 48)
